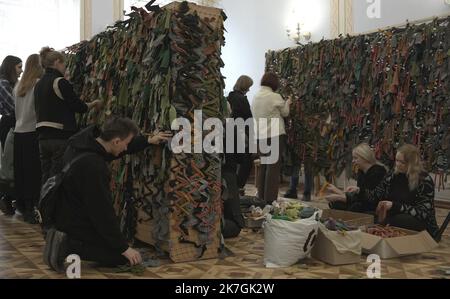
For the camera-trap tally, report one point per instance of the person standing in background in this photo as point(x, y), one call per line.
point(240, 109)
point(269, 106)
point(10, 71)
point(27, 165)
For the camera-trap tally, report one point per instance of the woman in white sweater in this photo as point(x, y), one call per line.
point(269, 110)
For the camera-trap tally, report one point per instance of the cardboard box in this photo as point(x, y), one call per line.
point(349, 218)
point(413, 243)
point(325, 250)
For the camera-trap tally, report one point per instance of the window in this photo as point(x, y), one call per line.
point(28, 25)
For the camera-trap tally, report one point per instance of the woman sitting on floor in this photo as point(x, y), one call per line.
point(370, 174)
point(407, 195)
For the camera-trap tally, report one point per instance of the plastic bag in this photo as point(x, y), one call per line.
point(287, 242)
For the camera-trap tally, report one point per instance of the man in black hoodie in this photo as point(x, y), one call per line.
point(85, 213)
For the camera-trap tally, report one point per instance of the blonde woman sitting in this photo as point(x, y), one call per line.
point(370, 174)
point(407, 194)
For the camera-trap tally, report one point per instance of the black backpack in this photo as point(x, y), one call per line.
point(50, 194)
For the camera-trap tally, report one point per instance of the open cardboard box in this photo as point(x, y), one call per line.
point(326, 251)
point(413, 243)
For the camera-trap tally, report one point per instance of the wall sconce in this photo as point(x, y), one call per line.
point(298, 35)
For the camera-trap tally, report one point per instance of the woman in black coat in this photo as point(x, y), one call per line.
point(240, 109)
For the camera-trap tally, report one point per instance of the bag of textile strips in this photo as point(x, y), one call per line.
point(286, 242)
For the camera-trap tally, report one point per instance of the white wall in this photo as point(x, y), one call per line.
point(256, 26)
point(394, 12)
point(253, 27)
point(102, 15)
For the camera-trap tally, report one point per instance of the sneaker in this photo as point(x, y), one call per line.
point(291, 194)
point(55, 250)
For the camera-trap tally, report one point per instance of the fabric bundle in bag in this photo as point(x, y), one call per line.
point(288, 242)
point(347, 242)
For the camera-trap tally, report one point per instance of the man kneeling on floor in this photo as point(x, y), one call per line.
point(86, 223)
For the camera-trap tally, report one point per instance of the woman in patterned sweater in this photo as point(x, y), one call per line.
point(406, 195)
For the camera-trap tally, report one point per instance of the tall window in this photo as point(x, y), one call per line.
point(28, 25)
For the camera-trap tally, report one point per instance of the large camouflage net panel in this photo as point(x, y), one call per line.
point(386, 88)
point(161, 64)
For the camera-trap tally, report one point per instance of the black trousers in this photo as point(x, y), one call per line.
point(245, 162)
point(6, 124)
point(234, 221)
point(103, 255)
point(51, 155)
point(27, 170)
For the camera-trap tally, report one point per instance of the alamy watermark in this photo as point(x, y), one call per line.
point(374, 9)
point(73, 271)
point(374, 269)
point(236, 136)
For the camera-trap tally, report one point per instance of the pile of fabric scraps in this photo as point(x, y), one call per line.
point(338, 225)
point(140, 269)
point(291, 211)
point(258, 213)
point(385, 232)
point(148, 261)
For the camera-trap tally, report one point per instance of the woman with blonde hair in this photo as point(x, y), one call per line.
point(370, 173)
point(27, 166)
point(56, 105)
point(407, 194)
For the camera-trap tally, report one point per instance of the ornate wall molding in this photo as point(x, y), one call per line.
point(334, 30)
point(118, 10)
point(341, 17)
point(85, 19)
point(348, 6)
